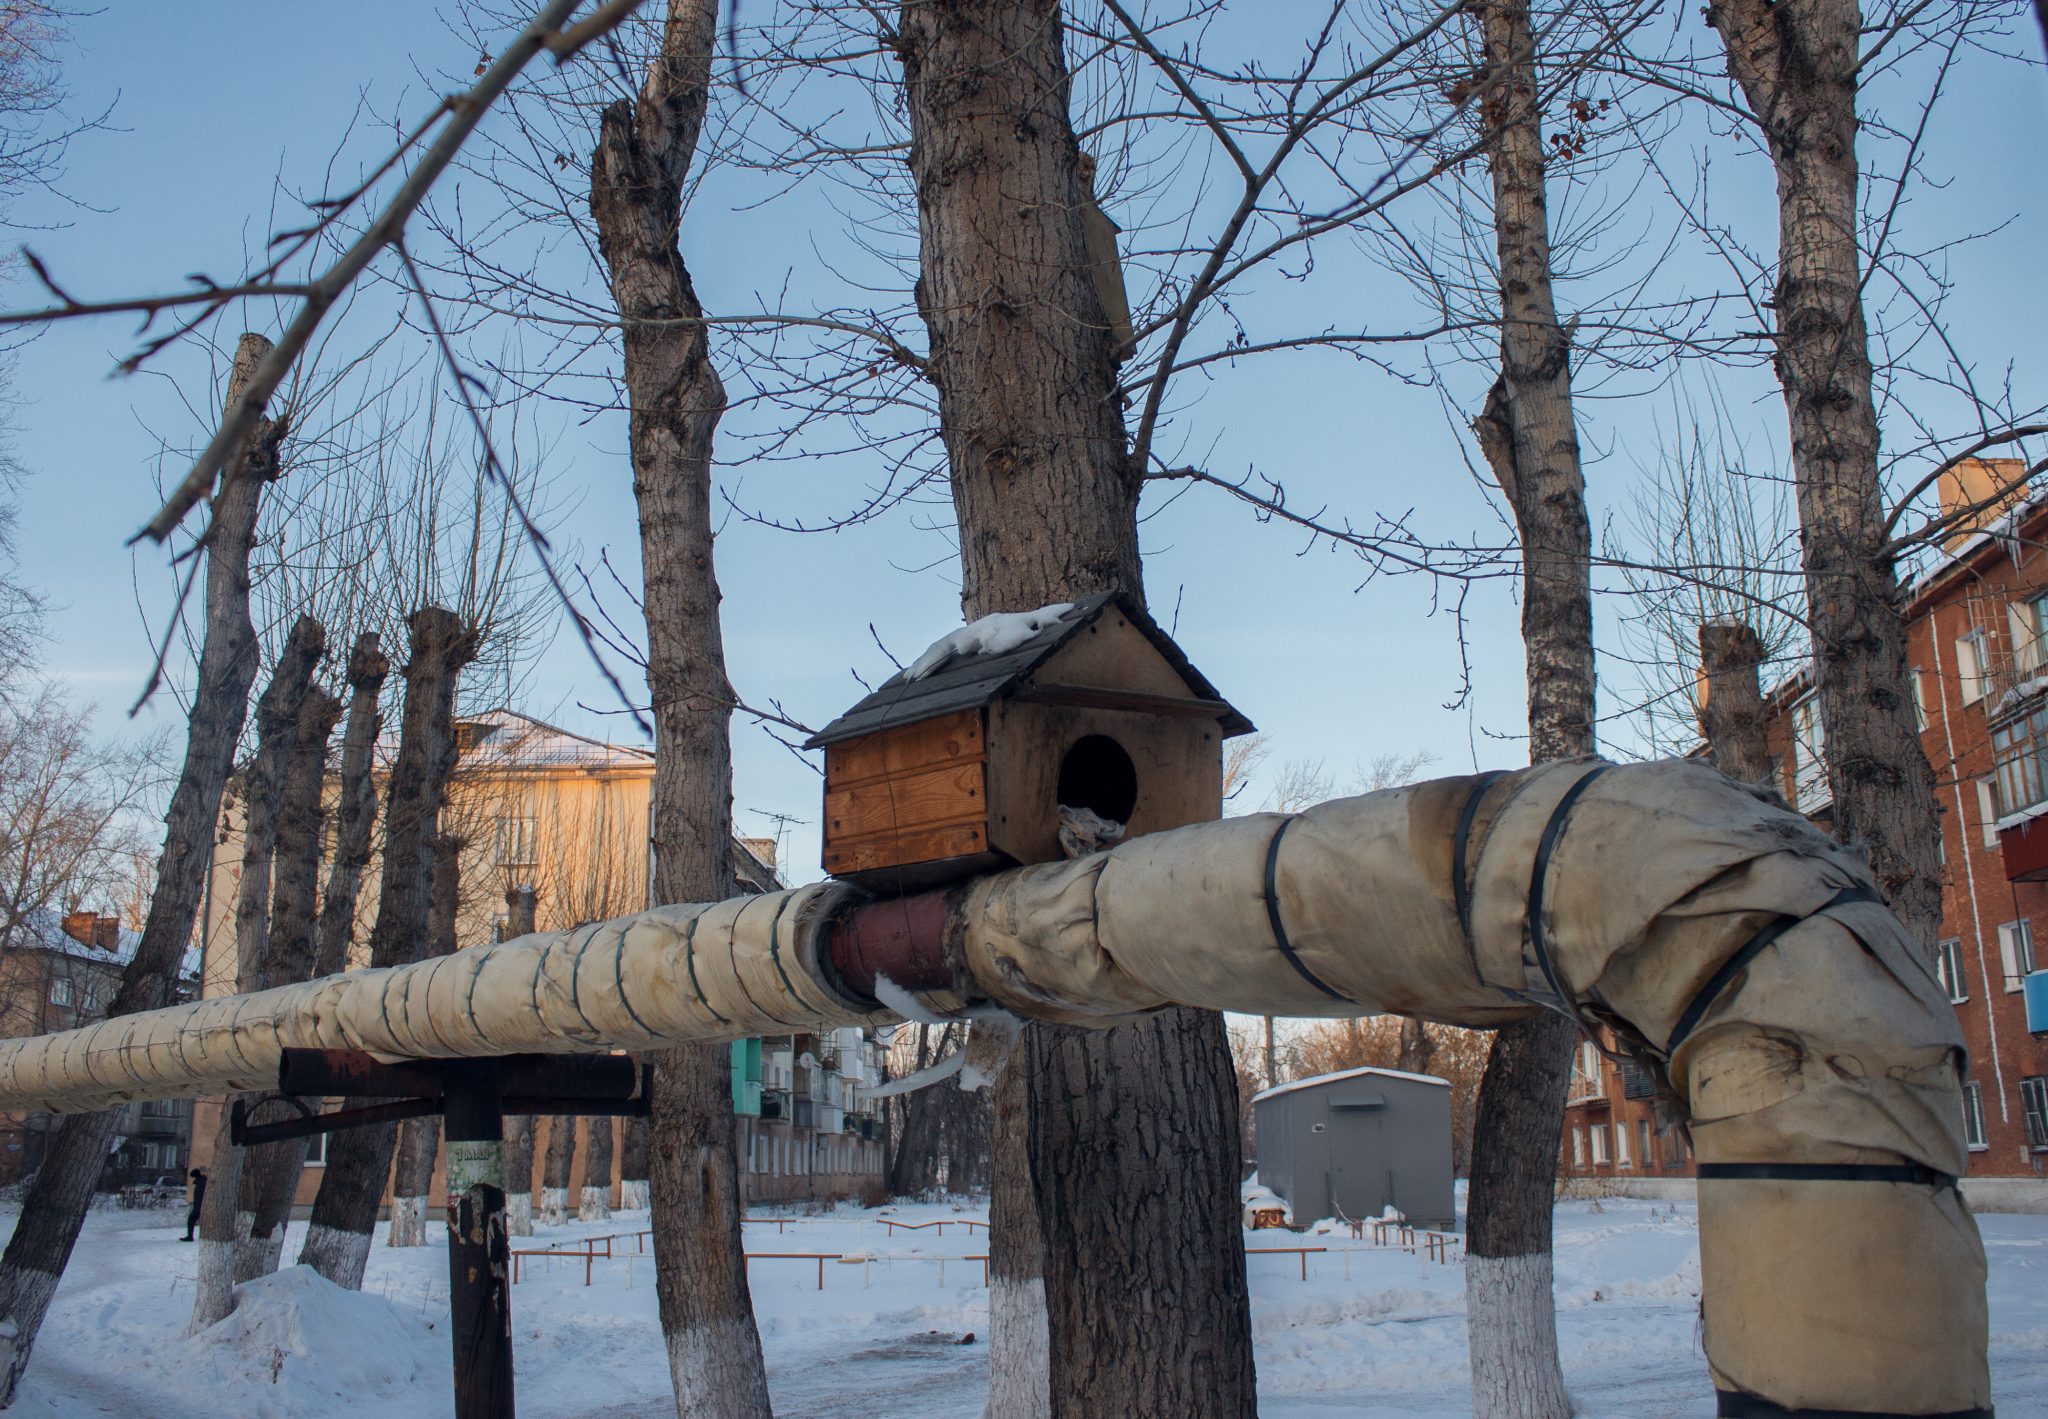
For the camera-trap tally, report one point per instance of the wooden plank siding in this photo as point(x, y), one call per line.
point(911, 794)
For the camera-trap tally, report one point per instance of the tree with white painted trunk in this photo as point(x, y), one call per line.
point(645, 149)
point(594, 1202)
point(359, 1160)
point(521, 905)
point(276, 1167)
point(54, 1208)
point(1121, 1144)
point(270, 1171)
point(1529, 436)
point(419, 1139)
point(222, 1218)
point(558, 1164)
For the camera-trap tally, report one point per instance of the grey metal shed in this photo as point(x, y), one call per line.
point(1352, 1143)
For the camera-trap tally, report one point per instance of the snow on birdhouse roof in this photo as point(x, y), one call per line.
point(985, 660)
point(1317, 1080)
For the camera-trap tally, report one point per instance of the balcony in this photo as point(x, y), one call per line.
point(1584, 1089)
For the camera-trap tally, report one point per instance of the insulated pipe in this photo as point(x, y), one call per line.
point(1728, 943)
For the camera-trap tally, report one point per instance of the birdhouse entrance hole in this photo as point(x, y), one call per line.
point(1098, 775)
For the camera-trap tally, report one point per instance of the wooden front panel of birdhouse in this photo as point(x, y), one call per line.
point(916, 793)
point(1168, 768)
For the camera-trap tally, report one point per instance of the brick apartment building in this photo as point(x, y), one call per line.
point(1977, 643)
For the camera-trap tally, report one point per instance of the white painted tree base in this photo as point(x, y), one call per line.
point(716, 1371)
point(596, 1205)
point(408, 1221)
point(336, 1254)
point(519, 1215)
point(213, 1296)
point(254, 1257)
point(1019, 1342)
point(1511, 1317)
point(554, 1205)
point(634, 1196)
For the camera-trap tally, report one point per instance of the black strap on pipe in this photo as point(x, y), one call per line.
point(1734, 1404)
point(1553, 833)
point(1273, 915)
point(1916, 1174)
point(1461, 890)
point(1730, 968)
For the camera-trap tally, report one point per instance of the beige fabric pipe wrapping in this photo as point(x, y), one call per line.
point(743, 967)
point(1832, 1046)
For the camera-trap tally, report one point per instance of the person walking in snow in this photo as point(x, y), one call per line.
point(198, 1197)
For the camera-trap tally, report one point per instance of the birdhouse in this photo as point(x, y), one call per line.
point(1083, 720)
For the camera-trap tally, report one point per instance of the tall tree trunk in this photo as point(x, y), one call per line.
point(595, 1205)
point(633, 1154)
point(1732, 720)
point(642, 161)
point(520, 908)
point(275, 1168)
point(359, 1160)
point(1797, 67)
point(556, 1168)
point(419, 1139)
point(270, 1171)
point(277, 735)
point(1418, 1047)
point(54, 1208)
point(1132, 1133)
point(1531, 440)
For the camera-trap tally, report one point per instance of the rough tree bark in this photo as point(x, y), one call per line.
point(359, 1160)
point(277, 736)
point(1797, 67)
point(1732, 720)
point(521, 905)
point(556, 1167)
point(595, 1204)
point(634, 1195)
point(1132, 1133)
point(275, 1169)
point(54, 1208)
point(419, 1139)
point(645, 148)
point(1530, 439)
point(270, 1171)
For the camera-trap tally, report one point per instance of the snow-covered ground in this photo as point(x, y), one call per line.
point(1375, 1331)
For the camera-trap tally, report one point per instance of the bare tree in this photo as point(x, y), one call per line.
point(520, 907)
point(1732, 719)
point(277, 734)
point(1530, 438)
point(558, 1164)
point(345, 1211)
point(1045, 490)
point(270, 1173)
point(54, 1209)
point(595, 1204)
point(644, 150)
point(419, 1139)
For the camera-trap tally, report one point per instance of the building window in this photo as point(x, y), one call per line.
point(1973, 1116)
point(2016, 952)
point(2029, 620)
point(1809, 757)
point(1578, 1147)
point(1643, 1142)
point(1973, 665)
point(2034, 1101)
point(2016, 749)
point(1987, 813)
point(1599, 1132)
point(60, 991)
point(1621, 1158)
point(1919, 682)
point(1948, 964)
point(516, 843)
point(316, 1151)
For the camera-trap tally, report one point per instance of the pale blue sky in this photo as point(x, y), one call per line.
point(212, 101)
